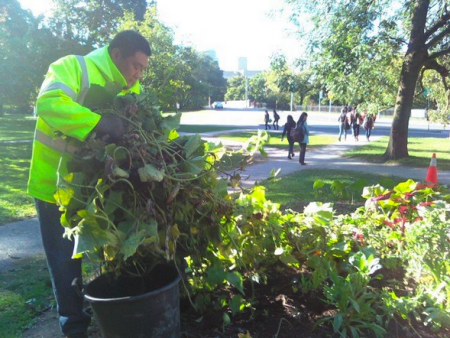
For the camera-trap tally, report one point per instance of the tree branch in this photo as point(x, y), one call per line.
point(443, 20)
point(438, 38)
point(442, 52)
point(442, 70)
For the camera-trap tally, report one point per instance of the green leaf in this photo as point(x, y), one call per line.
point(171, 121)
point(113, 202)
point(355, 305)
point(226, 319)
point(215, 275)
point(235, 279)
point(149, 173)
point(131, 244)
point(318, 184)
point(236, 304)
point(193, 143)
point(337, 322)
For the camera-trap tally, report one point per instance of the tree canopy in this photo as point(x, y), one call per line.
point(377, 52)
point(176, 74)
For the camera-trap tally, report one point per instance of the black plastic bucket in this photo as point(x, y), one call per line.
point(122, 310)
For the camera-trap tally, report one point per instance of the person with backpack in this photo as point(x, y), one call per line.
point(289, 127)
point(369, 121)
point(276, 118)
point(267, 120)
point(342, 119)
point(302, 125)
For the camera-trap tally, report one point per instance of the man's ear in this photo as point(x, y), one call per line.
point(116, 55)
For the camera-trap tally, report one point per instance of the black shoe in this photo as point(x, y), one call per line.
point(290, 158)
point(303, 163)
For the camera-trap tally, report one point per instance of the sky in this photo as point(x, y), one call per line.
point(232, 28)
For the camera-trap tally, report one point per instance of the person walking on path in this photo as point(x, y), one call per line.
point(276, 118)
point(61, 110)
point(342, 119)
point(304, 125)
point(369, 122)
point(357, 120)
point(288, 127)
point(267, 119)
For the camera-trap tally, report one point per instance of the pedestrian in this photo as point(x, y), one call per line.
point(276, 118)
point(62, 110)
point(342, 119)
point(267, 119)
point(301, 123)
point(356, 124)
point(288, 127)
point(368, 125)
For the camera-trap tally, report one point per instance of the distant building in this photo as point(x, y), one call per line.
point(242, 64)
point(212, 54)
point(242, 70)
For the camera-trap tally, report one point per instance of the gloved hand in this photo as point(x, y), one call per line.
point(110, 125)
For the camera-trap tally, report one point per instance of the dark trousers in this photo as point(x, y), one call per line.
point(291, 144)
point(302, 152)
point(63, 269)
point(368, 132)
point(356, 130)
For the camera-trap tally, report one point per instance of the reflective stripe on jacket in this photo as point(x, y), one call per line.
point(63, 122)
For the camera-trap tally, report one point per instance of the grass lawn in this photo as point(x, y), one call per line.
point(16, 127)
point(420, 152)
point(25, 291)
point(15, 203)
point(315, 141)
point(296, 188)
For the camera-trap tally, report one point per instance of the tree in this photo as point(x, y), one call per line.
point(27, 50)
point(236, 88)
point(176, 74)
point(92, 23)
point(354, 40)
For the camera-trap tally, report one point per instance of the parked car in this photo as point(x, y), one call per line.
point(217, 105)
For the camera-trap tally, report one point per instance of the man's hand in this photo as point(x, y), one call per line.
point(110, 125)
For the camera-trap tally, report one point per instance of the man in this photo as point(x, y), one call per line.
point(63, 123)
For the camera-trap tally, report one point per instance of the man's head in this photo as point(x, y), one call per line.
point(130, 51)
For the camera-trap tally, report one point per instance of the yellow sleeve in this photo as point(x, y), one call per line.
point(56, 104)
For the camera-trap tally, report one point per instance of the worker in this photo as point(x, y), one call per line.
point(63, 123)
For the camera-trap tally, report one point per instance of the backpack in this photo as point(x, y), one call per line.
point(298, 134)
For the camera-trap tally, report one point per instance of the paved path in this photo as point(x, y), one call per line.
point(22, 239)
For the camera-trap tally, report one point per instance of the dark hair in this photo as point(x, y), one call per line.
point(302, 117)
point(129, 43)
point(290, 119)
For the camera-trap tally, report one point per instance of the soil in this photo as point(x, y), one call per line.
point(280, 311)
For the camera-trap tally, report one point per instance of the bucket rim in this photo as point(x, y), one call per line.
point(126, 299)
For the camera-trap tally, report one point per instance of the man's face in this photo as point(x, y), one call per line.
point(131, 67)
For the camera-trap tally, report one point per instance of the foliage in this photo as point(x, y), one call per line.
point(134, 202)
point(93, 23)
point(176, 74)
point(27, 49)
point(236, 88)
point(358, 46)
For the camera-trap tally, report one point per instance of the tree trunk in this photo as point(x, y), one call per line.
point(414, 59)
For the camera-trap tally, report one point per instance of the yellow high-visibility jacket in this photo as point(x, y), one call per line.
point(60, 111)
